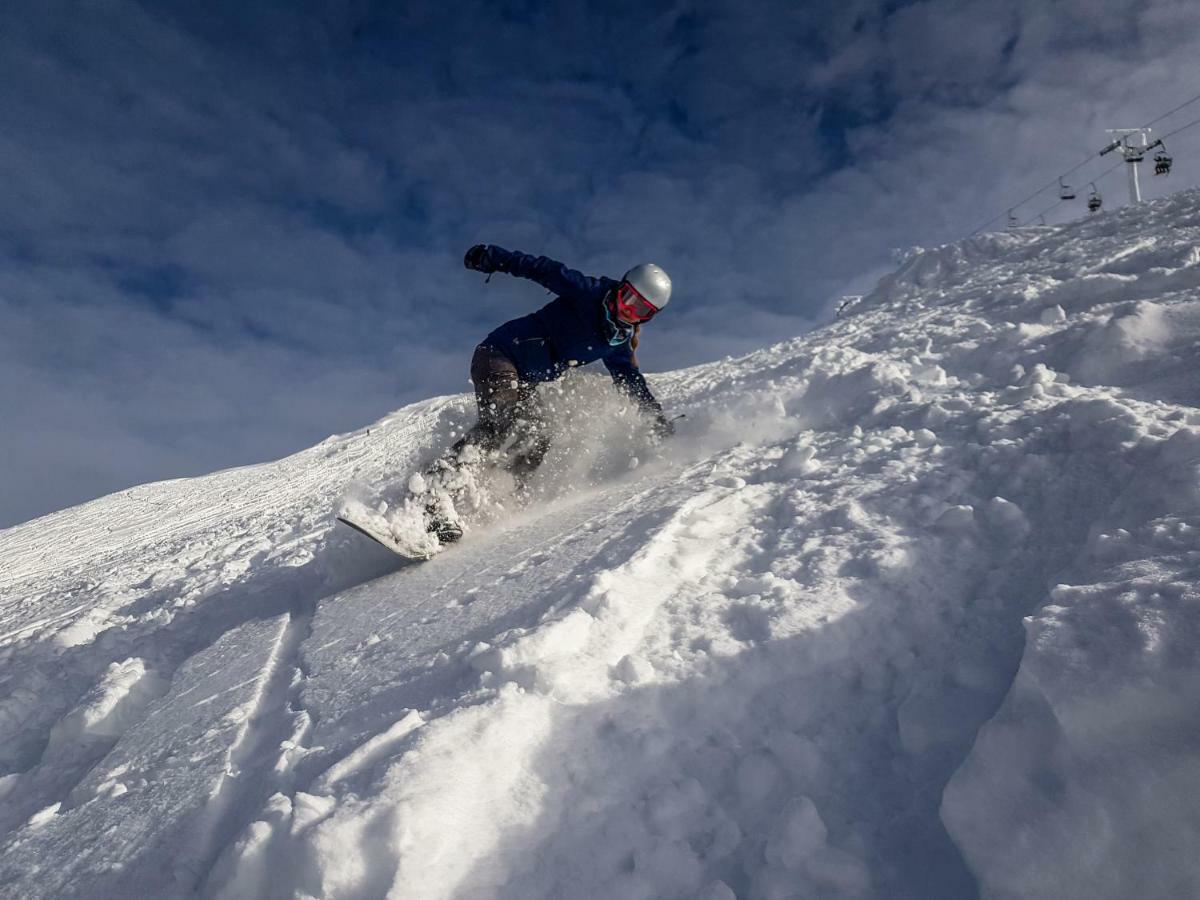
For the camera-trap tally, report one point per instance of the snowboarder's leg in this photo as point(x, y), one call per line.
point(533, 438)
point(499, 393)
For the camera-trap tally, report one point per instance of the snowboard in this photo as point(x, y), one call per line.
point(374, 526)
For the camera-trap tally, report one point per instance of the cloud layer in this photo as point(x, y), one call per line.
point(230, 232)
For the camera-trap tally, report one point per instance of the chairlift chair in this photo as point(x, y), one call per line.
point(1013, 221)
point(1162, 160)
point(1065, 191)
point(1094, 201)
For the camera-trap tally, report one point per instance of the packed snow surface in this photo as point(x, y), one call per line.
point(907, 608)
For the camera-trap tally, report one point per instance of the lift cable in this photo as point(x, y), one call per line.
point(1059, 203)
point(1173, 111)
point(1040, 190)
point(1179, 129)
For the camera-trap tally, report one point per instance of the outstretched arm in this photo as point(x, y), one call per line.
point(628, 377)
point(549, 273)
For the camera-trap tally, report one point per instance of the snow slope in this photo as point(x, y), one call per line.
point(908, 608)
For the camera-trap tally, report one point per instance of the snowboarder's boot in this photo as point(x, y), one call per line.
point(441, 524)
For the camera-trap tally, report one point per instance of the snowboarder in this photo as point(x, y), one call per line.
point(589, 319)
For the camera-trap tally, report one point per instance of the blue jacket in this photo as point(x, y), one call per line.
point(571, 330)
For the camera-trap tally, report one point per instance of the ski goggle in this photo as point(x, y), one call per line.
point(633, 306)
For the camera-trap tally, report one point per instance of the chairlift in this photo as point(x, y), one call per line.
point(1162, 160)
point(1013, 221)
point(1133, 153)
point(1041, 219)
point(1065, 191)
point(1094, 201)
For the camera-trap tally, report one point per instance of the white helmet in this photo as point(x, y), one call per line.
point(651, 282)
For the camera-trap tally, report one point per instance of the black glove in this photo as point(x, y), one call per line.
point(662, 427)
point(477, 259)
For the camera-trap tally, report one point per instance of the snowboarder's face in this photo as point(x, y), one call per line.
point(632, 307)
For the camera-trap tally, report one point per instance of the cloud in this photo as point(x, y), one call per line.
point(232, 230)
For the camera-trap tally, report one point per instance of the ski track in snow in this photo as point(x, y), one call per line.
point(907, 609)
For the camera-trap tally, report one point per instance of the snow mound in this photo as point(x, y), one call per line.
point(907, 608)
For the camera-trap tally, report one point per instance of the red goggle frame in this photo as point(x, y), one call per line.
point(632, 305)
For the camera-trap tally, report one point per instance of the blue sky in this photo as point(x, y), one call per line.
point(232, 229)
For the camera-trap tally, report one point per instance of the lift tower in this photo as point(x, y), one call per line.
point(1133, 143)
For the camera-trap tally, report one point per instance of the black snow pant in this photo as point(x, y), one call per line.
point(507, 409)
